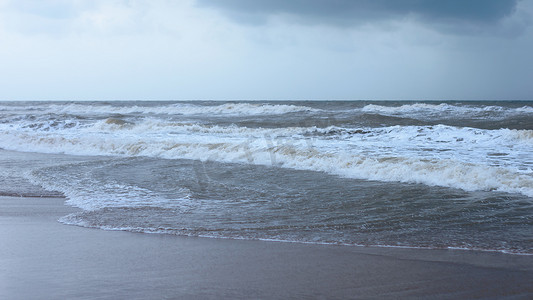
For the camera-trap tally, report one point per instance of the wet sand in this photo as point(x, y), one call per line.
point(41, 258)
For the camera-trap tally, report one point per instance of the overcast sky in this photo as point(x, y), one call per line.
point(266, 49)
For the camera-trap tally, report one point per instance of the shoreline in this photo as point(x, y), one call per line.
point(41, 258)
point(373, 247)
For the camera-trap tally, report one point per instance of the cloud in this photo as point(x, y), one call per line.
point(450, 15)
point(61, 18)
point(53, 9)
point(190, 49)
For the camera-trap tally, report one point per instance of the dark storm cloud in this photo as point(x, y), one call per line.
point(454, 13)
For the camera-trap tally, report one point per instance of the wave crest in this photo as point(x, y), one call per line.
point(183, 109)
point(375, 160)
point(447, 109)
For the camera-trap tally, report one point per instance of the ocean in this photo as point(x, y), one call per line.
point(438, 175)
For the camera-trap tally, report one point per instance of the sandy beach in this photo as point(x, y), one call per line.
point(41, 258)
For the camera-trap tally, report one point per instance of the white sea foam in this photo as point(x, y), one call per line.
point(465, 158)
point(181, 109)
point(85, 192)
point(525, 109)
point(446, 109)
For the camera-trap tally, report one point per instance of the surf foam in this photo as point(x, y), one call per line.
point(434, 155)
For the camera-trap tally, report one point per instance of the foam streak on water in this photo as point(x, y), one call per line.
point(475, 147)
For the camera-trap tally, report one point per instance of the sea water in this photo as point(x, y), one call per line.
point(405, 174)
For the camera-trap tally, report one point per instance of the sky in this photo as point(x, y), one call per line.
point(266, 50)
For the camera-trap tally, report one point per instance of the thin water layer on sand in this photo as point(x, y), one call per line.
point(67, 262)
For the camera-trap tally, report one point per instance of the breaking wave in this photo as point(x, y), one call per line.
point(433, 155)
point(446, 109)
point(183, 109)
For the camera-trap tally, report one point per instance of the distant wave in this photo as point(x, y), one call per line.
point(444, 108)
point(392, 135)
point(251, 108)
point(181, 109)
